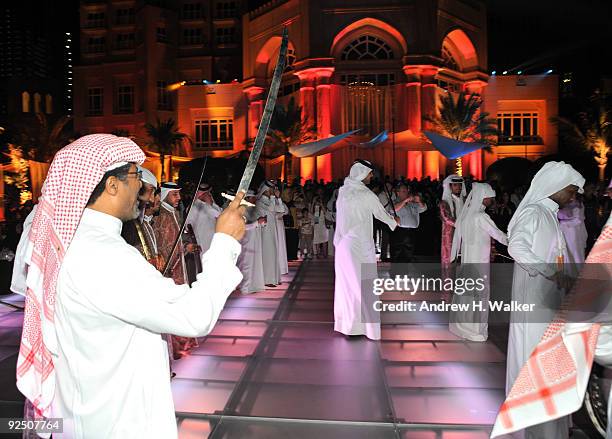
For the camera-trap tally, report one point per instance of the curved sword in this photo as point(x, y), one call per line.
point(247, 176)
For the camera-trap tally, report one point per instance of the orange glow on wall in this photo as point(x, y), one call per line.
point(464, 46)
point(324, 167)
point(415, 165)
point(432, 164)
point(307, 169)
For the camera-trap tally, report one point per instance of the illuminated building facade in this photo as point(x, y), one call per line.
point(371, 65)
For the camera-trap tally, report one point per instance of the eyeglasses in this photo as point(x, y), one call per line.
point(137, 173)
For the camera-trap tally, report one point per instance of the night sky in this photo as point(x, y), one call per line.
point(532, 35)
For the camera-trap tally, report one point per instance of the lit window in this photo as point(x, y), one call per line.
point(226, 35)
point(125, 16)
point(191, 11)
point(214, 134)
point(518, 128)
point(95, 101)
point(192, 36)
point(125, 99)
point(367, 47)
point(48, 104)
point(164, 98)
point(226, 10)
point(95, 45)
point(25, 102)
point(124, 41)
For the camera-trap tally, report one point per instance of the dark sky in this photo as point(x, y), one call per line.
point(532, 35)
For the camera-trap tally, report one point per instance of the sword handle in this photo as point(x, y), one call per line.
point(231, 198)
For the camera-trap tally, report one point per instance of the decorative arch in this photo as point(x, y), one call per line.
point(373, 28)
point(268, 52)
point(458, 51)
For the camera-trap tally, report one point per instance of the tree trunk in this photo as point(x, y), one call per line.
point(602, 171)
point(287, 165)
point(162, 158)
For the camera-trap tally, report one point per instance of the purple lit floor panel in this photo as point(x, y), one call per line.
point(256, 429)
point(274, 359)
point(447, 406)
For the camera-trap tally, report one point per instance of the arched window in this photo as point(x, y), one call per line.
point(367, 47)
point(48, 104)
point(449, 59)
point(25, 102)
point(37, 103)
point(290, 59)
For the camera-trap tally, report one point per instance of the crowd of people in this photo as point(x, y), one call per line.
point(110, 244)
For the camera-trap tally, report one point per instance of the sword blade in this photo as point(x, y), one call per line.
point(247, 176)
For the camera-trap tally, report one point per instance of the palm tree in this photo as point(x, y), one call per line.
point(462, 119)
point(42, 136)
point(165, 137)
point(592, 131)
point(287, 129)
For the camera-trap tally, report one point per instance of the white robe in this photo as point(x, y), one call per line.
point(281, 238)
point(269, 207)
point(321, 234)
point(571, 219)
point(535, 245)
point(331, 217)
point(111, 364)
point(250, 261)
point(476, 252)
point(355, 246)
point(203, 219)
point(18, 281)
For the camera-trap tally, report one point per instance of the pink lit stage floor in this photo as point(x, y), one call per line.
point(274, 368)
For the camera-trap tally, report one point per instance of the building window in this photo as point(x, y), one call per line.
point(95, 19)
point(95, 101)
point(125, 99)
point(124, 41)
point(378, 79)
point(290, 59)
point(449, 86)
point(518, 128)
point(25, 102)
point(226, 10)
point(367, 47)
point(191, 11)
point(125, 16)
point(164, 98)
point(214, 134)
point(449, 59)
point(96, 45)
point(192, 36)
point(162, 36)
point(225, 35)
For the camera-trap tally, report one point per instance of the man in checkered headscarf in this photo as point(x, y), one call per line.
point(91, 351)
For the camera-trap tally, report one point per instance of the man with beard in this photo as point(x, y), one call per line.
point(91, 351)
point(167, 228)
point(134, 231)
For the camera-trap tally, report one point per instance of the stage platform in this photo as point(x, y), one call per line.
point(274, 368)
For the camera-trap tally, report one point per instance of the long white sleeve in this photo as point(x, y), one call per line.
point(380, 213)
point(123, 284)
point(486, 223)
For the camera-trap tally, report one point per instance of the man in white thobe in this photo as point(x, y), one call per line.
point(203, 216)
point(355, 257)
point(472, 241)
point(281, 238)
point(20, 269)
point(110, 374)
point(538, 248)
point(250, 261)
point(269, 205)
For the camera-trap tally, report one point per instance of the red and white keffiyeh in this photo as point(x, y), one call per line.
point(74, 173)
point(553, 382)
